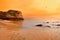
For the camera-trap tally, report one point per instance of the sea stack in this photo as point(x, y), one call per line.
point(11, 15)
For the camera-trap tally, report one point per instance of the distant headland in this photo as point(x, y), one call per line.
point(11, 15)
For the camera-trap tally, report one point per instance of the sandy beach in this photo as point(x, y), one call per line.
point(40, 34)
point(30, 34)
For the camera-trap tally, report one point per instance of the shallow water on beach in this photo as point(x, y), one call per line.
point(34, 22)
point(28, 23)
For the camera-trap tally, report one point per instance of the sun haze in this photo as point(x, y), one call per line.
point(33, 8)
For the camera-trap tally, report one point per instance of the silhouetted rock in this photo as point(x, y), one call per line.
point(58, 25)
point(11, 15)
point(40, 25)
point(2, 14)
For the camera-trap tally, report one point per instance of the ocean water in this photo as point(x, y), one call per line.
point(30, 22)
point(34, 22)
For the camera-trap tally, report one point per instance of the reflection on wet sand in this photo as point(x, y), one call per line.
point(9, 30)
point(10, 24)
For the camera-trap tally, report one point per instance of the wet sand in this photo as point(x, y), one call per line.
point(31, 33)
point(10, 24)
point(40, 33)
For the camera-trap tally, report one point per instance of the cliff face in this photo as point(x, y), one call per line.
point(11, 15)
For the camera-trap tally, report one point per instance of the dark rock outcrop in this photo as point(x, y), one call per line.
point(2, 14)
point(58, 25)
point(11, 15)
point(40, 25)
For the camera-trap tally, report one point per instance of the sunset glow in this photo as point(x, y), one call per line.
point(33, 8)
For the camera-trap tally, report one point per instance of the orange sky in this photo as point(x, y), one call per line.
point(33, 8)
